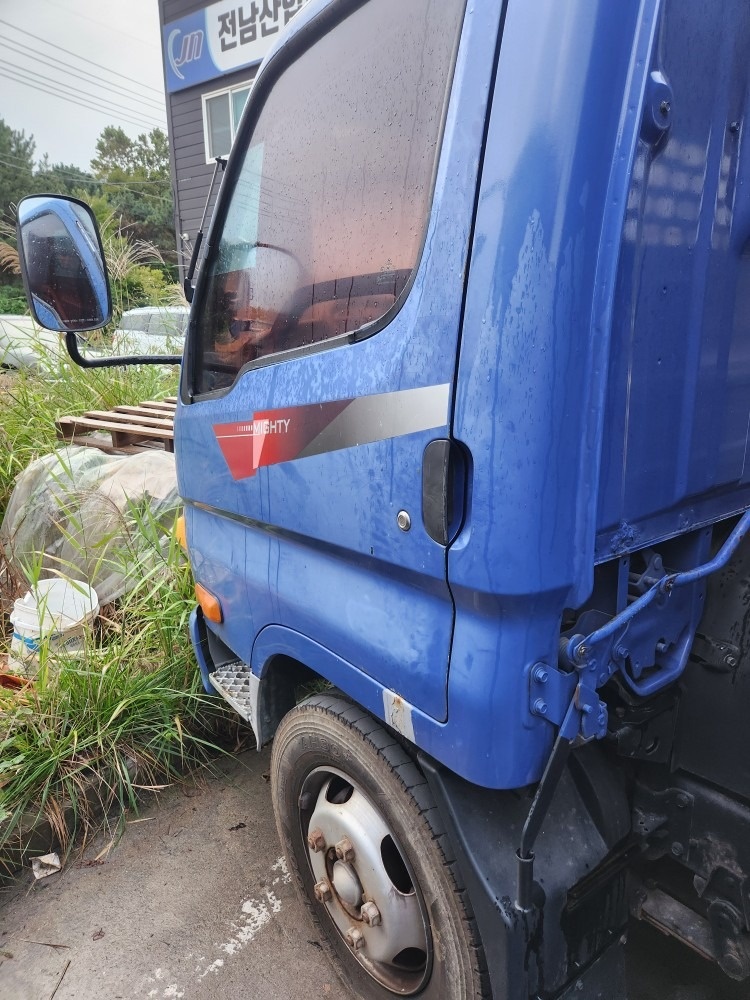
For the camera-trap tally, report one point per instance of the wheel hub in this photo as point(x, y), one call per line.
point(373, 904)
point(347, 885)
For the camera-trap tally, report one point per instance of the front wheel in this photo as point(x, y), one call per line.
point(366, 847)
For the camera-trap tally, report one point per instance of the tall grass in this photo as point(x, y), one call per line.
point(31, 402)
point(94, 730)
point(91, 732)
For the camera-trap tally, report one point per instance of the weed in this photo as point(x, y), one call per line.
point(124, 716)
point(127, 713)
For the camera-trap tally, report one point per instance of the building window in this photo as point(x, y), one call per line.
point(222, 111)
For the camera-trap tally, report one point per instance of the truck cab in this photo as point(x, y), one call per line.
point(462, 440)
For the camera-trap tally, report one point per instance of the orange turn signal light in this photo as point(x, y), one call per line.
point(210, 605)
point(180, 532)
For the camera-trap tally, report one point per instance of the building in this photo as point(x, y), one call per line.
point(211, 53)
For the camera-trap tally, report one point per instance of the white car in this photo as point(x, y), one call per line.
point(24, 344)
point(151, 330)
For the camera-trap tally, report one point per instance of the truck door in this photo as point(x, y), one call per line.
point(324, 337)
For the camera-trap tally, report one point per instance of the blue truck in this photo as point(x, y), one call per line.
point(462, 438)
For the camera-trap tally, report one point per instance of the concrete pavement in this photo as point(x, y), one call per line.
point(194, 903)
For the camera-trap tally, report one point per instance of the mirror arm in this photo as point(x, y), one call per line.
point(71, 343)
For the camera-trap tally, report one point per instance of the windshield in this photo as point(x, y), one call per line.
point(328, 212)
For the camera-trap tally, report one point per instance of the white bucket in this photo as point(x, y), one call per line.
point(56, 613)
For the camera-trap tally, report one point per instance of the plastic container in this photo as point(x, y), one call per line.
point(55, 613)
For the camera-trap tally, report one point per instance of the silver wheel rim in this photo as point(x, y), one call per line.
point(368, 888)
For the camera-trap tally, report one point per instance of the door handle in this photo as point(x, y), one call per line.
point(442, 489)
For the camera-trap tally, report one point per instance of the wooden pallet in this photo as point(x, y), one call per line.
point(123, 430)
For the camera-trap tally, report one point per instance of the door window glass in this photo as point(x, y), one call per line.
point(329, 208)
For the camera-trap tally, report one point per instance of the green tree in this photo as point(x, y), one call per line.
point(146, 157)
point(114, 153)
point(16, 167)
point(130, 192)
point(16, 180)
point(136, 185)
point(63, 178)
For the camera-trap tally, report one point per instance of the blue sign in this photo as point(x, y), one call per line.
point(222, 38)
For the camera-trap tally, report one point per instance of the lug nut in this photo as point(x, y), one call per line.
point(345, 850)
point(315, 840)
point(355, 938)
point(370, 914)
point(323, 892)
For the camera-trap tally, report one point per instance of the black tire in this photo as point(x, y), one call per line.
point(328, 747)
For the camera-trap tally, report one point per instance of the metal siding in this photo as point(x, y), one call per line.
point(189, 156)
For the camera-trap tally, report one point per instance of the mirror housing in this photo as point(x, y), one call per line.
point(62, 264)
point(65, 274)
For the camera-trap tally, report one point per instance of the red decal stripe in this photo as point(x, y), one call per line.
point(269, 437)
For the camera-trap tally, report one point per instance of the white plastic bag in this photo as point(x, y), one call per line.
point(91, 516)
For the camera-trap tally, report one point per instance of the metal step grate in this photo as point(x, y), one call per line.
point(233, 682)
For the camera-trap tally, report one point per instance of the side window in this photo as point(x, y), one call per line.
point(329, 208)
point(221, 118)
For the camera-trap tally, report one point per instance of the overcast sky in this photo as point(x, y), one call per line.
point(69, 68)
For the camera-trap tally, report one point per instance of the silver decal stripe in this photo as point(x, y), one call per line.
point(270, 437)
point(388, 415)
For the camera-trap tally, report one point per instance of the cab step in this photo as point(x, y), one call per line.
point(234, 682)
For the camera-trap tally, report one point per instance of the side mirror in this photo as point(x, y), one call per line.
point(62, 264)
